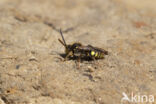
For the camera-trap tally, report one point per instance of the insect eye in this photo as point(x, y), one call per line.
point(92, 53)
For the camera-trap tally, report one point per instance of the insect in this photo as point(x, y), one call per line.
point(79, 51)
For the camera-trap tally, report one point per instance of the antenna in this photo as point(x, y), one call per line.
point(63, 37)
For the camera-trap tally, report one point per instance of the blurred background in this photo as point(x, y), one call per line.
point(31, 70)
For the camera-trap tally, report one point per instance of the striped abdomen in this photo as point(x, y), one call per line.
point(97, 54)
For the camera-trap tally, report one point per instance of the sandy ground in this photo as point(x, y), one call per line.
point(31, 71)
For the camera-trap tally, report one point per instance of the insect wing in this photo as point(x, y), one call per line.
point(98, 49)
point(85, 48)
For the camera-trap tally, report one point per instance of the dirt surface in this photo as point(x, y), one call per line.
point(31, 70)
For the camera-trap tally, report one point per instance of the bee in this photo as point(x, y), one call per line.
point(79, 51)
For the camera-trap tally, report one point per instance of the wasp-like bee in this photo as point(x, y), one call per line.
point(79, 51)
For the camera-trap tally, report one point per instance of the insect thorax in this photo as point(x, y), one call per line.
point(72, 47)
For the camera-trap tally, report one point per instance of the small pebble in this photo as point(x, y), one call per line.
point(17, 66)
point(90, 69)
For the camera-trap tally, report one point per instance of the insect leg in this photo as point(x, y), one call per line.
point(93, 58)
point(70, 53)
point(95, 62)
point(78, 61)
